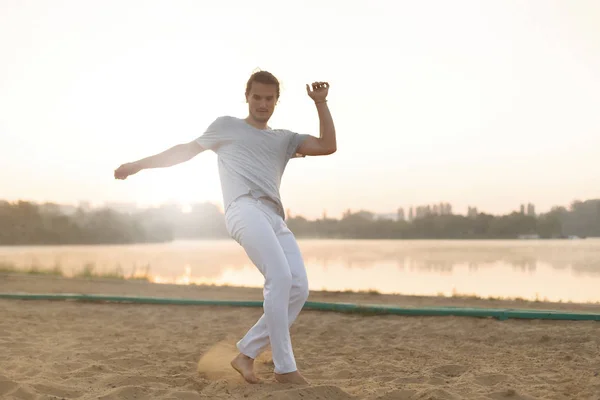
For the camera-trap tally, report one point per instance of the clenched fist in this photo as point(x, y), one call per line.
point(126, 170)
point(319, 91)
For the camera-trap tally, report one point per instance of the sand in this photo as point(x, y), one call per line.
point(79, 350)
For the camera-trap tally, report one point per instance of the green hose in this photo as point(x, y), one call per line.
point(501, 314)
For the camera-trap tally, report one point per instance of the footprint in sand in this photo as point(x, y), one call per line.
point(7, 386)
point(386, 378)
point(310, 393)
point(403, 380)
point(186, 396)
point(59, 391)
point(403, 394)
point(509, 394)
point(127, 392)
point(117, 380)
point(129, 363)
point(24, 393)
point(435, 380)
point(451, 370)
point(344, 374)
point(435, 394)
point(491, 379)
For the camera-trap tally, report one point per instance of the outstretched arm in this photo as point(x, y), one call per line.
point(326, 142)
point(173, 156)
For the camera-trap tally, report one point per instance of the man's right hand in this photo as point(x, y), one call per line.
point(173, 156)
point(126, 170)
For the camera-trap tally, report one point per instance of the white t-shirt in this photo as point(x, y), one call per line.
point(251, 160)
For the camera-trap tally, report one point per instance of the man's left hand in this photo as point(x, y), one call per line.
point(319, 91)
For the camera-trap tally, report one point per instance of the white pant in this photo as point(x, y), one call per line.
point(272, 247)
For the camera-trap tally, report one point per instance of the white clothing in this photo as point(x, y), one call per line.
point(257, 225)
point(251, 160)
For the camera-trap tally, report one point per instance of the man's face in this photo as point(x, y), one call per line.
point(261, 101)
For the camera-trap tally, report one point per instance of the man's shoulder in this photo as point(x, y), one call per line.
point(225, 124)
point(226, 119)
point(283, 131)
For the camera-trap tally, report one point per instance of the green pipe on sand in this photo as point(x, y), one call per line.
point(372, 309)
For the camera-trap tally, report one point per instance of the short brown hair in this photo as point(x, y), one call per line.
point(264, 77)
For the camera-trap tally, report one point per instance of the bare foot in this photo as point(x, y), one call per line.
point(292, 377)
point(245, 366)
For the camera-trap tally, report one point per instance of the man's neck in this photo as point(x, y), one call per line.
point(256, 124)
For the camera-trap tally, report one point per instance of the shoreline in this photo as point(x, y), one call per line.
point(52, 284)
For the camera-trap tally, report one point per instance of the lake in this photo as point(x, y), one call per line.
point(567, 270)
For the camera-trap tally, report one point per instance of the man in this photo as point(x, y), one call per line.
point(252, 157)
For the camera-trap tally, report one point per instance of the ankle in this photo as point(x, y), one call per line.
point(287, 373)
point(245, 357)
point(291, 377)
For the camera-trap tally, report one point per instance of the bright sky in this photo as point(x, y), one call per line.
point(490, 104)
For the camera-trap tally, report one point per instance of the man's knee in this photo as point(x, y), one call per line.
point(300, 288)
point(281, 277)
point(304, 293)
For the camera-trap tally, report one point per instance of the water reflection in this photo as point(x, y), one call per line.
point(556, 269)
point(442, 256)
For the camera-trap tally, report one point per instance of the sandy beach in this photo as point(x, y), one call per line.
point(84, 350)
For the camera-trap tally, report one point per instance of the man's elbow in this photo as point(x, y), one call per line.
point(325, 151)
point(327, 148)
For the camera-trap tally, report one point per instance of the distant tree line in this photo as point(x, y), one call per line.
point(32, 224)
point(582, 219)
point(25, 223)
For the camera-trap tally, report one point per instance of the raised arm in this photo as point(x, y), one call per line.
point(173, 156)
point(326, 142)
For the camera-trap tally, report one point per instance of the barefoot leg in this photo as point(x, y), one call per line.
point(245, 366)
point(292, 377)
